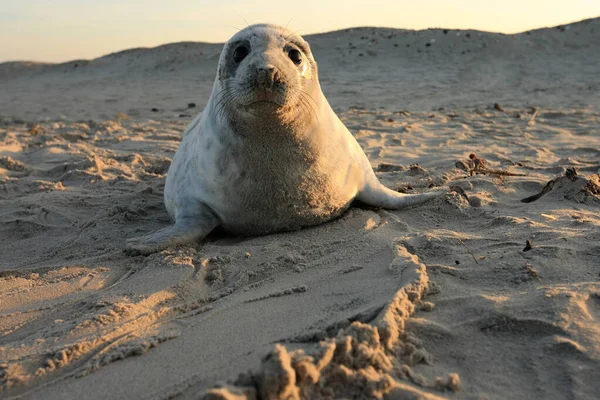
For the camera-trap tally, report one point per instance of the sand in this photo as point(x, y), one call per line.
point(441, 300)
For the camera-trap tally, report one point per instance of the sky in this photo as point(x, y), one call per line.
point(62, 30)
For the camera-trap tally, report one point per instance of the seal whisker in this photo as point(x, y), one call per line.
point(220, 109)
point(224, 95)
point(286, 25)
point(226, 105)
point(306, 107)
point(292, 34)
point(233, 26)
point(305, 93)
point(223, 92)
point(232, 97)
point(303, 102)
point(249, 26)
point(306, 103)
point(311, 109)
point(219, 105)
point(283, 29)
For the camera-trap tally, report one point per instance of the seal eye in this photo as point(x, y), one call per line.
point(295, 56)
point(240, 53)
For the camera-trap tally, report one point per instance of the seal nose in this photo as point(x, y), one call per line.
point(267, 76)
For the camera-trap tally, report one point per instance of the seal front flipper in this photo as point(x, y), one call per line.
point(187, 229)
point(377, 195)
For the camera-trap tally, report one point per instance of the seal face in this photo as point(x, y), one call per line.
point(268, 153)
point(263, 71)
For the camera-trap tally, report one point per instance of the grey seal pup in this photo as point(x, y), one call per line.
point(267, 154)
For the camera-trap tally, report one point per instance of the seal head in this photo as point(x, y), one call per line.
point(266, 76)
point(261, 72)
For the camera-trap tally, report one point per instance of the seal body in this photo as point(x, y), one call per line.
point(268, 154)
point(270, 181)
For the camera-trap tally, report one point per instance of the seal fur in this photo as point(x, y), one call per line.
point(268, 154)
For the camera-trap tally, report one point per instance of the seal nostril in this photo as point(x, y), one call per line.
point(268, 75)
point(276, 76)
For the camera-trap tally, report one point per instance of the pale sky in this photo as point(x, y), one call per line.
point(62, 30)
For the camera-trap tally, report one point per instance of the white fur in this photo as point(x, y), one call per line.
point(256, 168)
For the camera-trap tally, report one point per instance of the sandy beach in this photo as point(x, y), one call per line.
point(475, 295)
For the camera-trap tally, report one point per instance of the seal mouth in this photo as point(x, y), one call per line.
point(266, 96)
point(263, 106)
point(265, 100)
point(264, 103)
